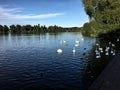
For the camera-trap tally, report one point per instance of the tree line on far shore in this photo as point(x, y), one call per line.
point(17, 29)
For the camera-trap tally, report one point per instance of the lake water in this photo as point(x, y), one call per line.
point(31, 62)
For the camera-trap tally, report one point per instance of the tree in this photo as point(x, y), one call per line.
point(13, 29)
point(1, 29)
point(6, 29)
point(18, 28)
point(104, 15)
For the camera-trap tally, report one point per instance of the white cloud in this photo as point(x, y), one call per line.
point(6, 13)
point(14, 14)
point(42, 16)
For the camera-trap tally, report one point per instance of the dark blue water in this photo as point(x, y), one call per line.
point(30, 62)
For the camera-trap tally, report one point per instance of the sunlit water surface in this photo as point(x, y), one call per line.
point(31, 62)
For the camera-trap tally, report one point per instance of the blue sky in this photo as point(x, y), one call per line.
point(65, 13)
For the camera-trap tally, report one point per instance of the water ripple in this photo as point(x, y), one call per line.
point(31, 62)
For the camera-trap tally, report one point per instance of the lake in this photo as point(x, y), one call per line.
point(31, 61)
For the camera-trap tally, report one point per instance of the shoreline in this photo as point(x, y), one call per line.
point(109, 79)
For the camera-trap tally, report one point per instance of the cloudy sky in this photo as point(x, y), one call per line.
point(66, 13)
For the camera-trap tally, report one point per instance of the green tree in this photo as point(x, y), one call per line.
point(6, 29)
point(104, 15)
point(1, 29)
point(18, 28)
point(13, 29)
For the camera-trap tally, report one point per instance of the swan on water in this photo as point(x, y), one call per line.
point(82, 39)
point(118, 40)
point(113, 53)
point(107, 53)
point(107, 49)
point(100, 49)
point(113, 45)
point(98, 55)
point(97, 44)
point(73, 50)
point(109, 43)
point(77, 45)
point(59, 51)
point(96, 50)
point(64, 41)
point(77, 41)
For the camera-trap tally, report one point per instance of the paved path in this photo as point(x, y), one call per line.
point(109, 79)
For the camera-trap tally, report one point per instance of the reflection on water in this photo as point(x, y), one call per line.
point(32, 62)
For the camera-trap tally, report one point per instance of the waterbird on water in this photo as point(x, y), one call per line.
point(96, 50)
point(64, 41)
point(118, 40)
point(77, 41)
point(82, 39)
point(109, 43)
point(106, 53)
point(97, 44)
point(113, 45)
point(59, 51)
point(113, 53)
point(73, 50)
point(98, 56)
point(77, 44)
point(107, 49)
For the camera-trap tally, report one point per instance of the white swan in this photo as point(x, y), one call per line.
point(59, 51)
point(77, 45)
point(73, 50)
point(82, 39)
point(97, 53)
point(118, 40)
point(107, 49)
point(113, 53)
point(107, 53)
point(100, 49)
point(97, 44)
point(64, 41)
point(113, 45)
point(98, 56)
point(77, 41)
point(109, 43)
point(96, 50)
